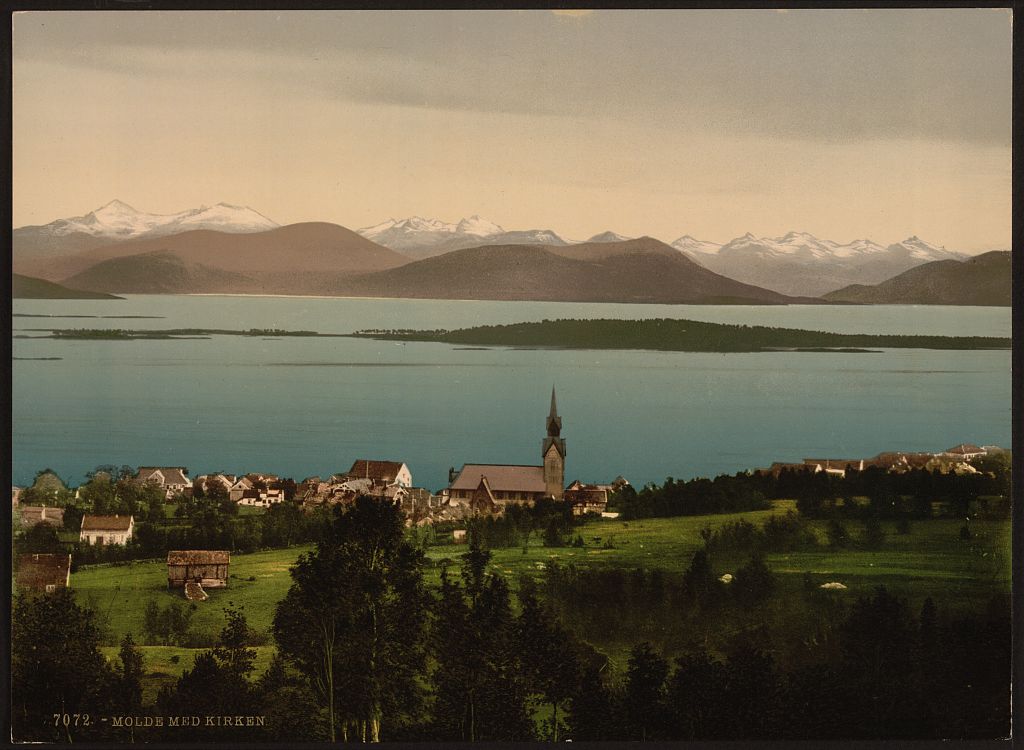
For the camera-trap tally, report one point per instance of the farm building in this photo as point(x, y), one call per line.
point(44, 572)
point(209, 568)
point(114, 529)
point(31, 515)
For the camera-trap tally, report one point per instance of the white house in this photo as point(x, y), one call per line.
point(114, 529)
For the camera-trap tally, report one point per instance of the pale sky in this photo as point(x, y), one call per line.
point(843, 123)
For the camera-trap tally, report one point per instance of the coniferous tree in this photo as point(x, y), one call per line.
point(479, 687)
point(549, 655)
point(644, 695)
point(696, 697)
point(57, 668)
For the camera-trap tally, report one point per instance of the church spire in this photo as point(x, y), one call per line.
point(554, 421)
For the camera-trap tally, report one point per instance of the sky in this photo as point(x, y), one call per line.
point(844, 123)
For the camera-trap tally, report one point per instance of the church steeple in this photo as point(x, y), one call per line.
point(554, 421)
point(553, 452)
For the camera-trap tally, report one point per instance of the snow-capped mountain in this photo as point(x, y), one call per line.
point(800, 264)
point(118, 221)
point(609, 236)
point(690, 245)
point(418, 237)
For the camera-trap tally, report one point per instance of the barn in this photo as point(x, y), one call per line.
point(209, 568)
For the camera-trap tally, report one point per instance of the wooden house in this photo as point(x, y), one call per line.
point(209, 568)
point(41, 572)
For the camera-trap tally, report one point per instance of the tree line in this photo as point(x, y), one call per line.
point(366, 652)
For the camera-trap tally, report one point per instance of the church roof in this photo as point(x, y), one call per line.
point(501, 478)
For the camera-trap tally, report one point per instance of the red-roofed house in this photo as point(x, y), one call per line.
point(386, 472)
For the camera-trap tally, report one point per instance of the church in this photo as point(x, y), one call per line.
point(488, 488)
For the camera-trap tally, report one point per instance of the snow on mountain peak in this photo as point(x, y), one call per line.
point(687, 243)
point(476, 226)
point(118, 220)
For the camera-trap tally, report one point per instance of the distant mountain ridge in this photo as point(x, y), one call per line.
point(35, 247)
point(799, 263)
point(640, 270)
point(417, 237)
point(304, 258)
point(985, 279)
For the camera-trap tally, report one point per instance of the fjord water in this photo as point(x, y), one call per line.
point(305, 406)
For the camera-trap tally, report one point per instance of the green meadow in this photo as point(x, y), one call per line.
point(932, 560)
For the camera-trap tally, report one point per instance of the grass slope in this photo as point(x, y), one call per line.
point(930, 561)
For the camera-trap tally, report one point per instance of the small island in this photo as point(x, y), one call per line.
point(123, 334)
point(664, 334)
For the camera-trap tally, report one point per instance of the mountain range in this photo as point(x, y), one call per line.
point(800, 263)
point(982, 280)
point(116, 221)
point(228, 248)
point(418, 238)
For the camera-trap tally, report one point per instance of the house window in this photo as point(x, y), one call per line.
point(50, 588)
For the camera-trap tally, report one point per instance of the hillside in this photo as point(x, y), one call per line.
point(982, 280)
point(28, 287)
point(641, 270)
point(296, 259)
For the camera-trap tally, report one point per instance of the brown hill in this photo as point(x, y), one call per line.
point(29, 287)
point(982, 280)
point(296, 259)
point(641, 270)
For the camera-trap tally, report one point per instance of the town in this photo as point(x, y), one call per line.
point(474, 491)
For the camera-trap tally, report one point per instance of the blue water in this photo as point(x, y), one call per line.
point(299, 407)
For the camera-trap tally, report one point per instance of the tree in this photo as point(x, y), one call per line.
point(354, 619)
point(873, 536)
point(699, 581)
point(39, 539)
point(128, 685)
point(479, 682)
point(754, 582)
point(56, 667)
point(837, 534)
point(645, 692)
point(549, 653)
point(219, 682)
point(696, 699)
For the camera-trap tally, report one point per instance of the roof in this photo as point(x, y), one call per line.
point(367, 469)
point(106, 523)
point(172, 474)
point(965, 448)
point(587, 496)
point(198, 557)
point(501, 478)
point(40, 571)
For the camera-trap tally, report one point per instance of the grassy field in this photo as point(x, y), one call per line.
point(931, 560)
point(119, 593)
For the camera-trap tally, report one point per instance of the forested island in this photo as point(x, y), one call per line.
point(664, 334)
